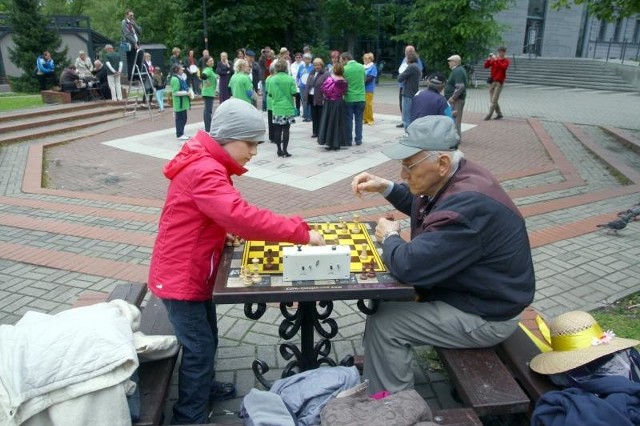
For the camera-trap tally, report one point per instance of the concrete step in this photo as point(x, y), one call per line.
point(31, 121)
point(69, 130)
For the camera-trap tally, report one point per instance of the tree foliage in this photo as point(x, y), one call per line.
point(32, 34)
point(605, 10)
point(442, 28)
point(347, 20)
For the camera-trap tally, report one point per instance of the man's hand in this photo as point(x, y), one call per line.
point(366, 182)
point(316, 239)
point(386, 226)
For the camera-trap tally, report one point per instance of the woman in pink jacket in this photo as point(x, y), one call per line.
point(202, 208)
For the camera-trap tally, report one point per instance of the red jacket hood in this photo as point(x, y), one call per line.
point(202, 144)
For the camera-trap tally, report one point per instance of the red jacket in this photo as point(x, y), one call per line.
point(201, 207)
point(498, 69)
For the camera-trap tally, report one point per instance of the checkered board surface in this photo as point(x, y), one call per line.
point(332, 233)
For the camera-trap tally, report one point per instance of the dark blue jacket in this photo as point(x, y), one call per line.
point(428, 102)
point(609, 400)
point(469, 246)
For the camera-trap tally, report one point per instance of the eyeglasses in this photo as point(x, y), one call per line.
point(408, 168)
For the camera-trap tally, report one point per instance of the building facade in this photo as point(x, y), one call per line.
point(533, 27)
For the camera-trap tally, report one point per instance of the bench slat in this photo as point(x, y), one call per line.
point(516, 352)
point(155, 376)
point(483, 381)
point(456, 417)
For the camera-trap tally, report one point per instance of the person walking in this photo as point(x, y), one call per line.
point(455, 90)
point(410, 80)
point(498, 65)
point(281, 87)
point(209, 81)
point(224, 71)
point(181, 100)
point(354, 73)
point(371, 74)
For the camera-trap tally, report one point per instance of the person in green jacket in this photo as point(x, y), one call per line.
point(181, 100)
point(281, 88)
point(355, 75)
point(209, 80)
point(240, 84)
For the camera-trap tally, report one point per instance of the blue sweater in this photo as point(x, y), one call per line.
point(469, 246)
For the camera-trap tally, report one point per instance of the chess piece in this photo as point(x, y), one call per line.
point(256, 265)
point(372, 269)
point(364, 254)
point(236, 241)
point(269, 266)
point(357, 218)
point(364, 275)
point(246, 279)
point(341, 223)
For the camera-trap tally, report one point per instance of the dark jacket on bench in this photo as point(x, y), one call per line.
point(469, 246)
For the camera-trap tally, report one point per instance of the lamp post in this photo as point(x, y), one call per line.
point(204, 24)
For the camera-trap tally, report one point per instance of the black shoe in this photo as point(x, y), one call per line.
point(280, 154)
point(314, 136)
point(498, 117)
point(221, 391)
point(487, 118)
point(286, 154)
point(400, 125)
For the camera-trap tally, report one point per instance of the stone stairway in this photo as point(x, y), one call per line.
point(575, 73)
point(61, 123)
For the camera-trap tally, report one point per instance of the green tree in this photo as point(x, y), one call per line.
point(605, 10)
point(32, 34)
point(442, 28)
point(347, 20)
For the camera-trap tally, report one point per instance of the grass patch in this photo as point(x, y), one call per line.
point(13, 101)
point(622, 317)
point(428, 358)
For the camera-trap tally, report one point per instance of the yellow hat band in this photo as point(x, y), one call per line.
point(581, 340)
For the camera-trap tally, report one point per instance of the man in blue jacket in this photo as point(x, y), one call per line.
point(46, 70)
point(468, 258)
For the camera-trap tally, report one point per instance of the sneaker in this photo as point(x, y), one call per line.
point(487, 118)
point(400, 125)
point(183, 138)
point(498, 117)
point(221, 391)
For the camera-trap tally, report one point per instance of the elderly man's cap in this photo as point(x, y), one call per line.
point(239, 120)
point(456, 58)
point(250, 53)
point(430, 133)
point(436, 78)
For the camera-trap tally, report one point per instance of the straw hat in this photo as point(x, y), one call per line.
point(577, 339)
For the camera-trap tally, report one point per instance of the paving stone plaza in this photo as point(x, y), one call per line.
point(570, 158)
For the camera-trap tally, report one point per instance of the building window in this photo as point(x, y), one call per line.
point(636, 32)
point(617, 30)
point(602, 32)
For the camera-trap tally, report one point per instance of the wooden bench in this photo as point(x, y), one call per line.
point(55, 97)
point(154, 376)
point(497, 380)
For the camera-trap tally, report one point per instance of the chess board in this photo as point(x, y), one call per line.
point(269, 254)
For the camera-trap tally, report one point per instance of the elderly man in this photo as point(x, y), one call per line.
point(202, 209)
point(408, 50)
point(455, 89)
point(468, 258)
point(430, 101)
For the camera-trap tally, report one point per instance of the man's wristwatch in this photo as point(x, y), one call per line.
point(389, 233)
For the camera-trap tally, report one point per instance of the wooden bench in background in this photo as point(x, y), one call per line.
point(154, 376)
point(55, 97)
point(498, 380)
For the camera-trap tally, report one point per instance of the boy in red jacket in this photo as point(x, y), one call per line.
point(201, 211)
